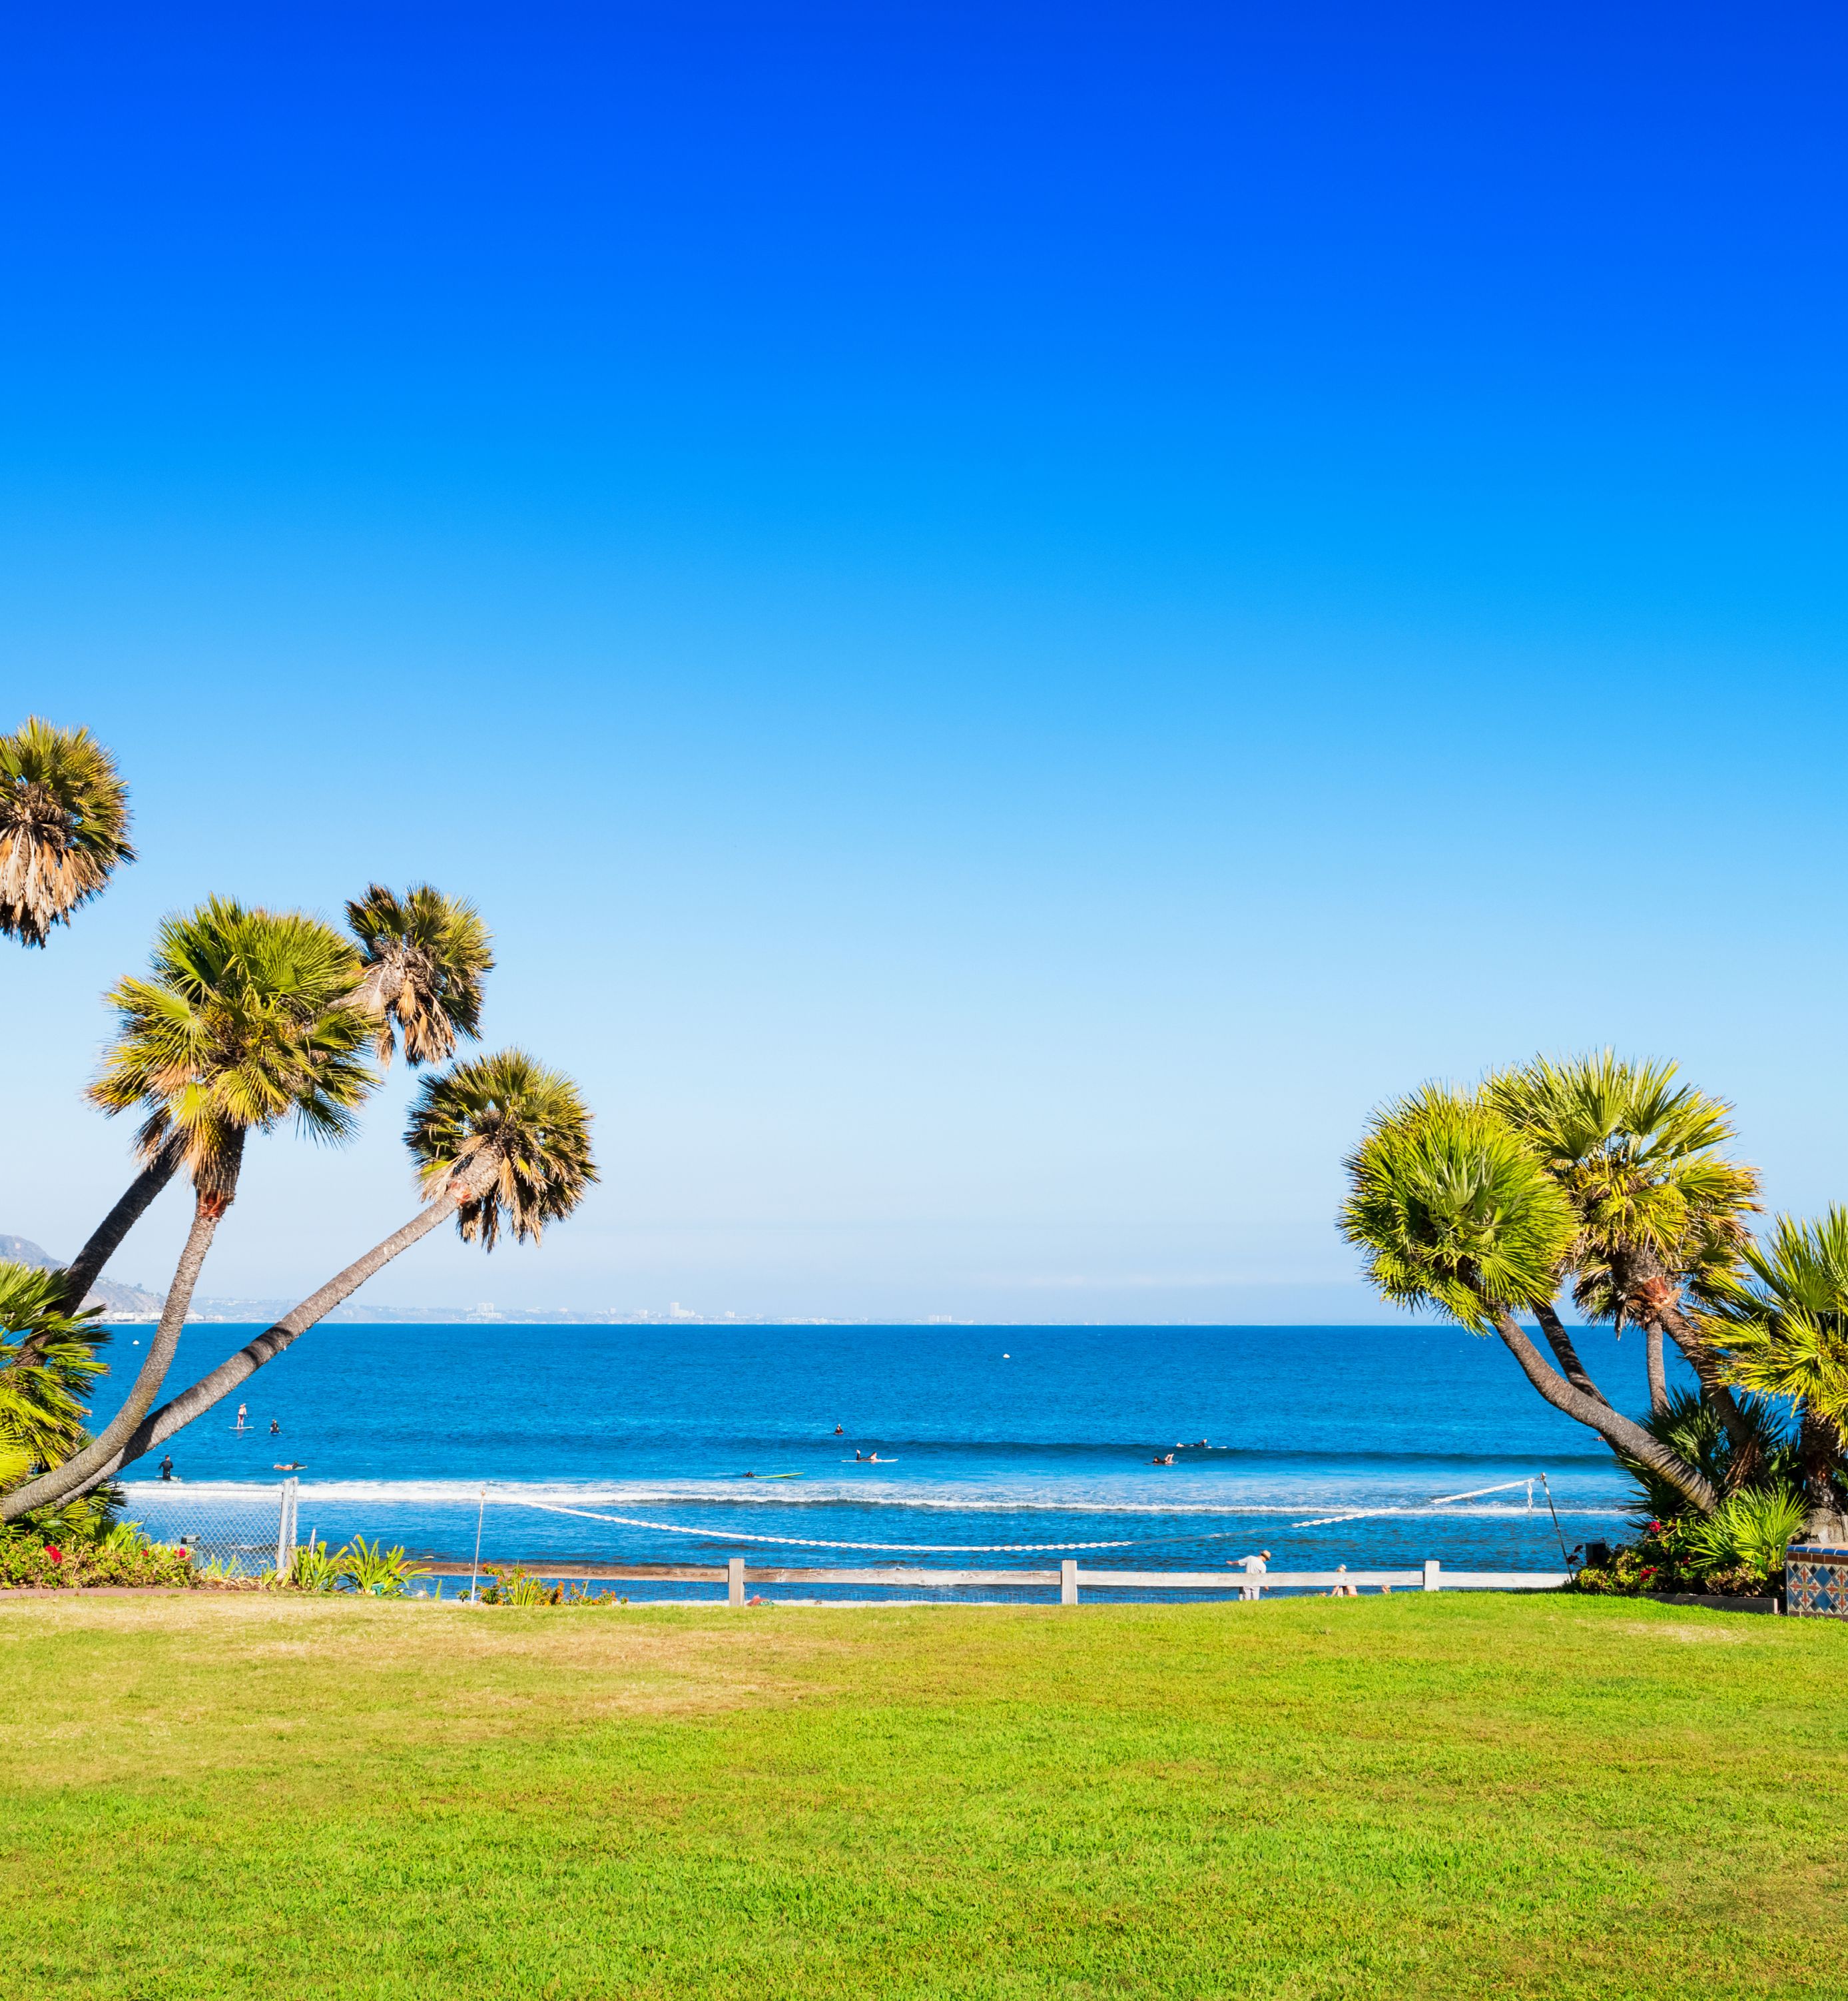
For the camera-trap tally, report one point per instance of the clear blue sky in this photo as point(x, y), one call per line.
point(1013, 613)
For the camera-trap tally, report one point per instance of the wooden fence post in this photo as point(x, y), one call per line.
point(1069, 1581)
point(1431, 1583)
point(734, 1582)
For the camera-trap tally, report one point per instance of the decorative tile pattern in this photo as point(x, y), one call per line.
point(1815, 1582)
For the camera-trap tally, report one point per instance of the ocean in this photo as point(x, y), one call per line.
point(995, 1445)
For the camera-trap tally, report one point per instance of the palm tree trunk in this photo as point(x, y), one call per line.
point(1561, 1342)
point(1658, 1380)
point(86, 1268)
point(1706, 1366)
point(62, 1482)
point(1818, 1460)
point(1622, 1435)
point(155, 1430)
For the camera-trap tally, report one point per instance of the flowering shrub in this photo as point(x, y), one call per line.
point(123, 1556)
point(1680, 1553)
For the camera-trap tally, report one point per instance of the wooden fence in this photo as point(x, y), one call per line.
point(1068, 1579)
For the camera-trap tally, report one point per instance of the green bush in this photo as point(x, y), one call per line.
point(123, 1556)
point(1737, 1551)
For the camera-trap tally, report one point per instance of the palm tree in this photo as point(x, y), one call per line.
point(64, 827)
point(501, 1142)
point(1658, 1205)
point(422, 961)
point(1781, 1325)
point(426, 955)
point(1455, 1211)
point(246, 1019)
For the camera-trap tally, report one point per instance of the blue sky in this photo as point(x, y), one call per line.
point(1014, 614)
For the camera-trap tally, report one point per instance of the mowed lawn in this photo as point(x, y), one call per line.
point(1448, 1795)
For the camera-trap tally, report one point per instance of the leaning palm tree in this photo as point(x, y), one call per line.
point(1659, 1207)
point(1456, 1212)
point(1781, 1326)
point(423, 959)
point(500, 1144)
point(245, 1019)
point(64, 827)
point(426, 955)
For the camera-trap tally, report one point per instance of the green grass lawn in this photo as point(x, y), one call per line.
point(235, 1795)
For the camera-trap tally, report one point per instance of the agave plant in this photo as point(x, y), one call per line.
point(1752, 1529)
point(1456, 1210)
point(425, 957)
point(64, 827)
point(501, 1143)
point(376, 1571)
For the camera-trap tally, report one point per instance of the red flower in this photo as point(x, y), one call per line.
point(55, 1553)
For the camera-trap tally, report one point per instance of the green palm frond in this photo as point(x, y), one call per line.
point(1781, 1320)
point(426, 956)
point(64, 827)
point(1691, 1428)
point(246, 1018)
point(1455, 1210)
point(1638, 1156)
point(512, 1137)
point(48, 1360)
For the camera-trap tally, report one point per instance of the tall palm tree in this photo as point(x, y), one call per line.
point(1455, 1211)
point(1781, 1326)
point(422, 960)
point(64, 827)
point(501, 1142)
point(246, 1019)
point(1658, 1205)
point(426, 955)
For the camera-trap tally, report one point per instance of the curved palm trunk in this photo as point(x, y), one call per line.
point(1709, 1369)
point(1622, 1434)
point(86, 1268)
point(1658, 1380)
point(154, 1431)
point(63, 1482)
point(1561, 1342)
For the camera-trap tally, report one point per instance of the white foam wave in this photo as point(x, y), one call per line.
point(957, 1499)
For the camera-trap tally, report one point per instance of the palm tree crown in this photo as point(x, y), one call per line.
point(64, 827)
point(1638, 1157)
point(1454, 1210)
point(246, 1018)
point(508, 1138)
point(426, 955)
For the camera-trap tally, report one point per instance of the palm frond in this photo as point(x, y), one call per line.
point(64, 827)
point(1455, 1210)
point(425, 957)
point(510, 1137)
point(246, 1018)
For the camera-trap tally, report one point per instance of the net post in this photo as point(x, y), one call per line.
point(735, 1580)
point(1431, 1583)
point(1069, 1581)
point(285, 1530)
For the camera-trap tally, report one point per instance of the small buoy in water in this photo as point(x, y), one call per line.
point(1007, 1358)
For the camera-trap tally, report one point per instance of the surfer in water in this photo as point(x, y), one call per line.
point(241, 1409)
point(275, 1427)
point(167, 1466)
point(1162, 1459)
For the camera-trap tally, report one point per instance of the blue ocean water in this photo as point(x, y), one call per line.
point(1018, 1437)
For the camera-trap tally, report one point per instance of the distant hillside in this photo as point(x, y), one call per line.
point(113, 1298)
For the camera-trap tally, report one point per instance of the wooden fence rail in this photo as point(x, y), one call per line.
point(1068, 1578)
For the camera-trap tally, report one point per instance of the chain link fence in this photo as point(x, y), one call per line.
point(243, 1533)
